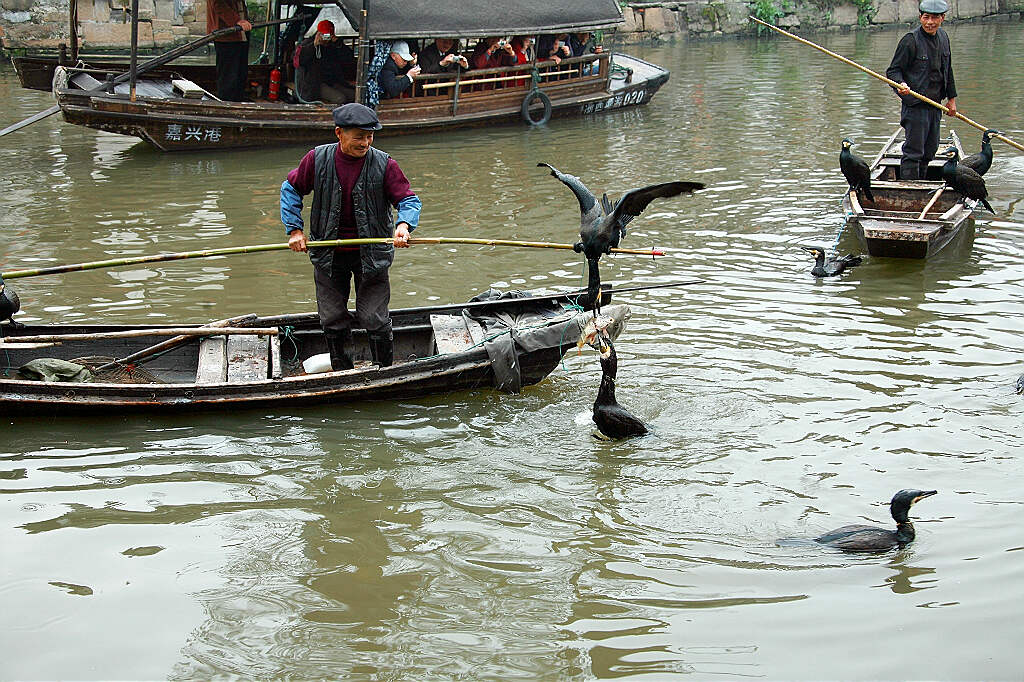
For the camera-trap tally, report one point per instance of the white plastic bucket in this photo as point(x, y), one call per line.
point(317, 363)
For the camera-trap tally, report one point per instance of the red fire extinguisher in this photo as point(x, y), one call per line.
point(275, 84)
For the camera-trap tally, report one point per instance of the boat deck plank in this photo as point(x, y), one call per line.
point(248, 358)
point(212, 367)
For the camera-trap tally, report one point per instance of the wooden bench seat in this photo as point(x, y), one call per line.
point(238, 359)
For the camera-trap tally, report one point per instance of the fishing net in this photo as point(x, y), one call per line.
point(117, 373)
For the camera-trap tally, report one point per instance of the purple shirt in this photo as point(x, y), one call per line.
point(303, 179)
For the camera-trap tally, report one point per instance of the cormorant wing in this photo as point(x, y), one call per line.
point(583, 195)
point(635, 201)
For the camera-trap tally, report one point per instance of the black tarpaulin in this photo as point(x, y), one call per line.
point(469, 18)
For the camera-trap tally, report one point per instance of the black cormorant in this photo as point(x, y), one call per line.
point(9, 303)
point(611, 418)
point(859, 538)
point(964, 180)
point(1020, 385)
point(855, 170)
point(834, 265)
point(602, 225)
point(982, 161)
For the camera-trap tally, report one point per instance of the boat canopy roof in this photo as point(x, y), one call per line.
point(390, 19)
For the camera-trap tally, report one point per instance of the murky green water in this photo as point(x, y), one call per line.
point(485, 536)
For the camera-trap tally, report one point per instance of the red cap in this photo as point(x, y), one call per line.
point(325, 26)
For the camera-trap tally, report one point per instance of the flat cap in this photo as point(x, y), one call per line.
point(355, 115)
point(933, 7)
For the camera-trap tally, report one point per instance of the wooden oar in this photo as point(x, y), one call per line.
point(931, 202)
point(147, 353)
point(882, 78)
point(259, 248)
point(148, 66)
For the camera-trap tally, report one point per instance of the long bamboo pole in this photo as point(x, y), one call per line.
point(259, 248)
point(163, 331)
point(882, 78)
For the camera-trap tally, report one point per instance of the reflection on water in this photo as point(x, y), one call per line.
point(484, 536)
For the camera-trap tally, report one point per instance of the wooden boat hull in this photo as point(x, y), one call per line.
point(430, 359)
point(179, 124)
point(896, 225)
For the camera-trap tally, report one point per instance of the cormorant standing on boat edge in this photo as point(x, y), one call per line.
point(964, 180)
point(855, 170)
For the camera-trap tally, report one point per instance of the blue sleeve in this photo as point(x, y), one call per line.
point(408, 211)
point(291, 208)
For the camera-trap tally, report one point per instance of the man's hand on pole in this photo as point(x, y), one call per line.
point(297, 241)
point(402, 236)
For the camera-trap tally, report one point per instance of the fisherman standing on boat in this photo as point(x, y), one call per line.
point(354, 187)
point(233, 49)
point(923, 63)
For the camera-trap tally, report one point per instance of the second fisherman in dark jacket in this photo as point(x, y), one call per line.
point(923, 63)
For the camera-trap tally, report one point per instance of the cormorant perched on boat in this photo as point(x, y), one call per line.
point(834, 265)
point(611, 418)
point(982, 161)
point(964, 180)
point(858, 538)
point(602, 225)
point(9, 303)
point(855, 170)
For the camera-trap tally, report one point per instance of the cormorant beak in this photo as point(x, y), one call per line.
point(924, 494)
point(811, 250)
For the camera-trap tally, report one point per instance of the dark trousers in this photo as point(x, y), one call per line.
point(232, 69)
point(373, 294)
point(921, 126)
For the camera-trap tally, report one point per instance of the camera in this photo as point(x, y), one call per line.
point(501, 43)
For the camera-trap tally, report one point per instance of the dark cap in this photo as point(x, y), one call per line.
point(933, 7)
point(354, 115)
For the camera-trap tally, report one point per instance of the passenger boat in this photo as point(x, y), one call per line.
point(257, 361)
point(178, 113)
point(909, 218)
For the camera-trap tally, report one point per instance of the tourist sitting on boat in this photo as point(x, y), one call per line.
point(581, 44)
point(522, 48)
point(396, 77)
point(442, 56)
point(326, 67)
point(492, 52)
point(342, 176)
point(554, 47)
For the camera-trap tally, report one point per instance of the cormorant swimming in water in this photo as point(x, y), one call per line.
point(1020, 385)
point(833, 266)
point(859, 538)
point(855, 170)
point(964, 180)
point(611, 418)
point(982, 161)
point(602, 225)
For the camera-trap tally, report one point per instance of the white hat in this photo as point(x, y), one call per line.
point(401, 48)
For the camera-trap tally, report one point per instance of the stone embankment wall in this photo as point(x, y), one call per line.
point(712, 18)
point(163, 23)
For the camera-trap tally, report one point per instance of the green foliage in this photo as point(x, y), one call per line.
point(768, 11)
point(866, 11)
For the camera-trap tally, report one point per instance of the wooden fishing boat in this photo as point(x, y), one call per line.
point(173, 113)
point(506, 343)
point(909, 218)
